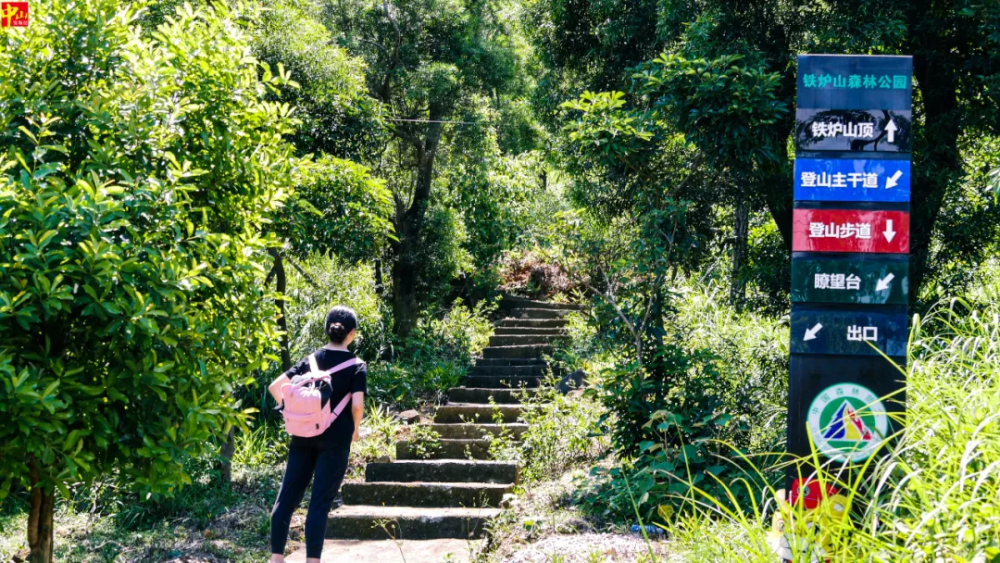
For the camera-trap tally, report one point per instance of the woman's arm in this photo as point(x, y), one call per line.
point(358, 410)
point(275, 387)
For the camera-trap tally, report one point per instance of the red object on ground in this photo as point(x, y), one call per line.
point(810, 491)
point(851, 230)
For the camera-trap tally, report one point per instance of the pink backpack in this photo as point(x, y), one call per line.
point(305, 413)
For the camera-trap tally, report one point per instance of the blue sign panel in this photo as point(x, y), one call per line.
point(848, 332)
point(852, 180)
point(853, 82)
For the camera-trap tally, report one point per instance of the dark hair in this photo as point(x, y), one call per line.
point(340, 321)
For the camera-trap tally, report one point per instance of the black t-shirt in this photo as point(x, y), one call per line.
point(346, 381)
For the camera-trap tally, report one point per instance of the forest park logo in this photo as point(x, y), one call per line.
point(13, 14)
point(847, 422)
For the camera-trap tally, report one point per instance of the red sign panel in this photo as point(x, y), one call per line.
point(851, 230)
point(13, 14)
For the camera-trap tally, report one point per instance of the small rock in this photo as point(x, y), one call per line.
point(409, 417)
point(507, 500)
point(384, 459)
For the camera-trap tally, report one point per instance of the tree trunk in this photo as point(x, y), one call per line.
point(226, 451)
point(404, 299)
point(379, 284)
point(282, 286)
point(779, 196)
point(937, 164)
point(40, 528)
point(738, 285)
point(409, 223)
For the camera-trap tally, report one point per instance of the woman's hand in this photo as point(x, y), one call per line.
point(275, 387)
point(357, 435)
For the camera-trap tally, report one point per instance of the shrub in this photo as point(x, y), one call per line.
point(138, 170)
point(434, 358)
point(664, 422)
point(750, 353)
point(380, 442)
point(562, 432)
point(530, 276)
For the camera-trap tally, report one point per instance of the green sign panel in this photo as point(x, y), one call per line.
point(878, 281)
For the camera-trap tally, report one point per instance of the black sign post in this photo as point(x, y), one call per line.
point(850, 281)
point(850, 262)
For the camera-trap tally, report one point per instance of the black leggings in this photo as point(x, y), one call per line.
point(327, 469)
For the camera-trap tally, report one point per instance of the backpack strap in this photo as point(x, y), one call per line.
point(347, 398)
point(343, 403)
point(317, 374)
point(343, 365)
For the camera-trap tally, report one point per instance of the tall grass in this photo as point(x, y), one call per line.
point(935, 497)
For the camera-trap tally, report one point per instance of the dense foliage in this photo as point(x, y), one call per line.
point(137, 175)
point(452, 77)
point(335, 114)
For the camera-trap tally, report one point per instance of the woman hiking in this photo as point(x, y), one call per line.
point(331, 378)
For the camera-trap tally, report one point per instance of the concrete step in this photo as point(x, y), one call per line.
point(520, 339)
point(532, 323)
point(529, 351)
point(528, 331)
point(408, 523)
point(388, 551)
point(470, 412)
point(448, 449)
point(462, 431)
point(435, 495)
point(498, 362)
point(537, 313)
point(539, 369)
point(522, 303)
point(483, 395)
point(502, 381)
point(443, 471)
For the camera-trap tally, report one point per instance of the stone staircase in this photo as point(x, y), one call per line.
point(457, 490)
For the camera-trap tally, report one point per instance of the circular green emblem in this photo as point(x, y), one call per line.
point(847, 422)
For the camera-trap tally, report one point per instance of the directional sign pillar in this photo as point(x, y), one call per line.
point(850, 259)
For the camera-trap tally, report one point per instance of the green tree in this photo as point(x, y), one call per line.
point(729, 109)
point(137, 177)
point(338, 209)
point(426, 60)
point(335, 113)
point(589, 45)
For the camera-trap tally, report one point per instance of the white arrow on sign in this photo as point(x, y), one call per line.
point(811, 332)
point(891, 129)
point(884, 283)
point(889, 233)
point(892, 181)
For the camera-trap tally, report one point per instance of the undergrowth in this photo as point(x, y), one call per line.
point(934, 497)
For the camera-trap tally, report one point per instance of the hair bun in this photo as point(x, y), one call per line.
point(340, 321)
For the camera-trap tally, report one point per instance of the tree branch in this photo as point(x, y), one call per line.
point(416, 142)
point(305, 275)
point(394, 60)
